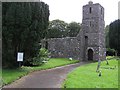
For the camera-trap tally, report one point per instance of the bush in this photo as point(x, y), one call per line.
point(110, 52)
point(42, 57)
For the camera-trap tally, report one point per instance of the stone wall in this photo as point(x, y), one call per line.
point(64, 47)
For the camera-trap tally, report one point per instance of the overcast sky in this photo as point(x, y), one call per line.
point(71, 10)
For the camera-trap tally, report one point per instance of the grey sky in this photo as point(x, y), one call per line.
point(71, 10)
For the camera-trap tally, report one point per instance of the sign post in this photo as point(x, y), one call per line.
point(20, 58)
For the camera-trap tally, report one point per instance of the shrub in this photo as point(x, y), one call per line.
point(42, 57)
point(110, 52)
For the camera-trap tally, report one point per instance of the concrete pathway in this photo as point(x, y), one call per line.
point(51, 78)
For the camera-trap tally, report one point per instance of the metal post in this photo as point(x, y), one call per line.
point(98, 66)
point(19, 64)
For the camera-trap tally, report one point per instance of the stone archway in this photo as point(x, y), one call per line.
point(90, 54)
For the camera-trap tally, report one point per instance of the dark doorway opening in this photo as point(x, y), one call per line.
point(90, 54)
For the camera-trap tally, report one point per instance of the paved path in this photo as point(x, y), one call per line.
point(51, 78)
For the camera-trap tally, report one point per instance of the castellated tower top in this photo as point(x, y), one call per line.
point(93, 10)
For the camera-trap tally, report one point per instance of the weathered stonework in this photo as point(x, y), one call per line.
point(89, 44)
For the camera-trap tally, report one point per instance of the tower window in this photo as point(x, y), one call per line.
point(90, 24)
point(86, 41)
point(90, 10)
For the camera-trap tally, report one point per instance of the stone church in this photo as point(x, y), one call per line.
point(89, 44)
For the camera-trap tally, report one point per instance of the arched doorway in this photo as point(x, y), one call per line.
point(90, 54)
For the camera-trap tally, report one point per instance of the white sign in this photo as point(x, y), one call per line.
point(20, 56)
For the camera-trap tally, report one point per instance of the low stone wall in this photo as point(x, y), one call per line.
point(64, 47)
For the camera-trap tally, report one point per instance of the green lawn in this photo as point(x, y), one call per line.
point(87, 77)
point(0, 77)
point(10, 75)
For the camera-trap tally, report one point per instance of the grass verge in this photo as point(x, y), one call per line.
point(87, 77)
point(10, 75)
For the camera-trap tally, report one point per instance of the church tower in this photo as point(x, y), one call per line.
point(92, 36)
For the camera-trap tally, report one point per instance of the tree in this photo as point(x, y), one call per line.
point(57, 29)
point(73, 29)
point(24, 25)
point(114, 35)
